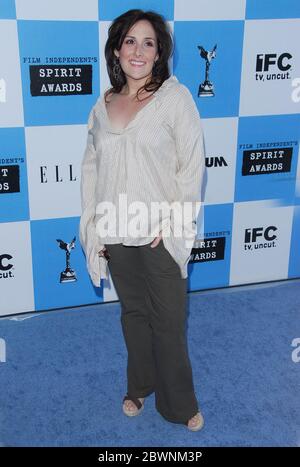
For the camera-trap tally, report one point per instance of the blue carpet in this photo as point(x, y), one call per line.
point(65, 375)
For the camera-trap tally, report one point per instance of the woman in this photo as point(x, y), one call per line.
point(145, 143)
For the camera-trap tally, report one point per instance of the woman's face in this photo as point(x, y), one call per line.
point(139, 51)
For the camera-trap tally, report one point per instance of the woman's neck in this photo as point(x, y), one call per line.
point(132, 86)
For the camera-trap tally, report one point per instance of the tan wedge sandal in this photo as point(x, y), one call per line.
point(200, 422)
point(139, 406)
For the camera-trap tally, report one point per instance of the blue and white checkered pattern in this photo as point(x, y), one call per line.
point(251, 124)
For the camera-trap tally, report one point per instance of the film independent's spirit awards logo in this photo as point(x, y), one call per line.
point(206, 89)
point(68, 275)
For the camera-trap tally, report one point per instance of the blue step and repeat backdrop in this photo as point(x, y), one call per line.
point(52, 70)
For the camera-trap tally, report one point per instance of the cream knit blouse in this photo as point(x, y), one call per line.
point(158, 156)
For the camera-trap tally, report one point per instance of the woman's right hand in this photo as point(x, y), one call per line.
point(104, 253)
point(101, 252)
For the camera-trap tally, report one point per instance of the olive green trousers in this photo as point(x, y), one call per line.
point(153, 298)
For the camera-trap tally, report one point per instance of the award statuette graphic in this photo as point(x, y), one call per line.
point(68, 275)
point(206, 89)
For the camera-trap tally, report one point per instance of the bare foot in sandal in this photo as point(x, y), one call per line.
point(131, 408)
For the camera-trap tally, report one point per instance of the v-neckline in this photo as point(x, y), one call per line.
point(140, 112)
point(131, 121)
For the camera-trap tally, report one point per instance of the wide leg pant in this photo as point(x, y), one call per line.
point(153, 298)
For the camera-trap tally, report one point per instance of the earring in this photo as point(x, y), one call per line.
point(116, 70)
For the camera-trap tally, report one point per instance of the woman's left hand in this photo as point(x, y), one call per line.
point(156, 240)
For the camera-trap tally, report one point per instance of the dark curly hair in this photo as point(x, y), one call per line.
point(116, 34)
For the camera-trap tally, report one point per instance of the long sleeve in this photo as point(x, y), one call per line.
point(190, 154)
point(87, 229)
point(191, 162)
